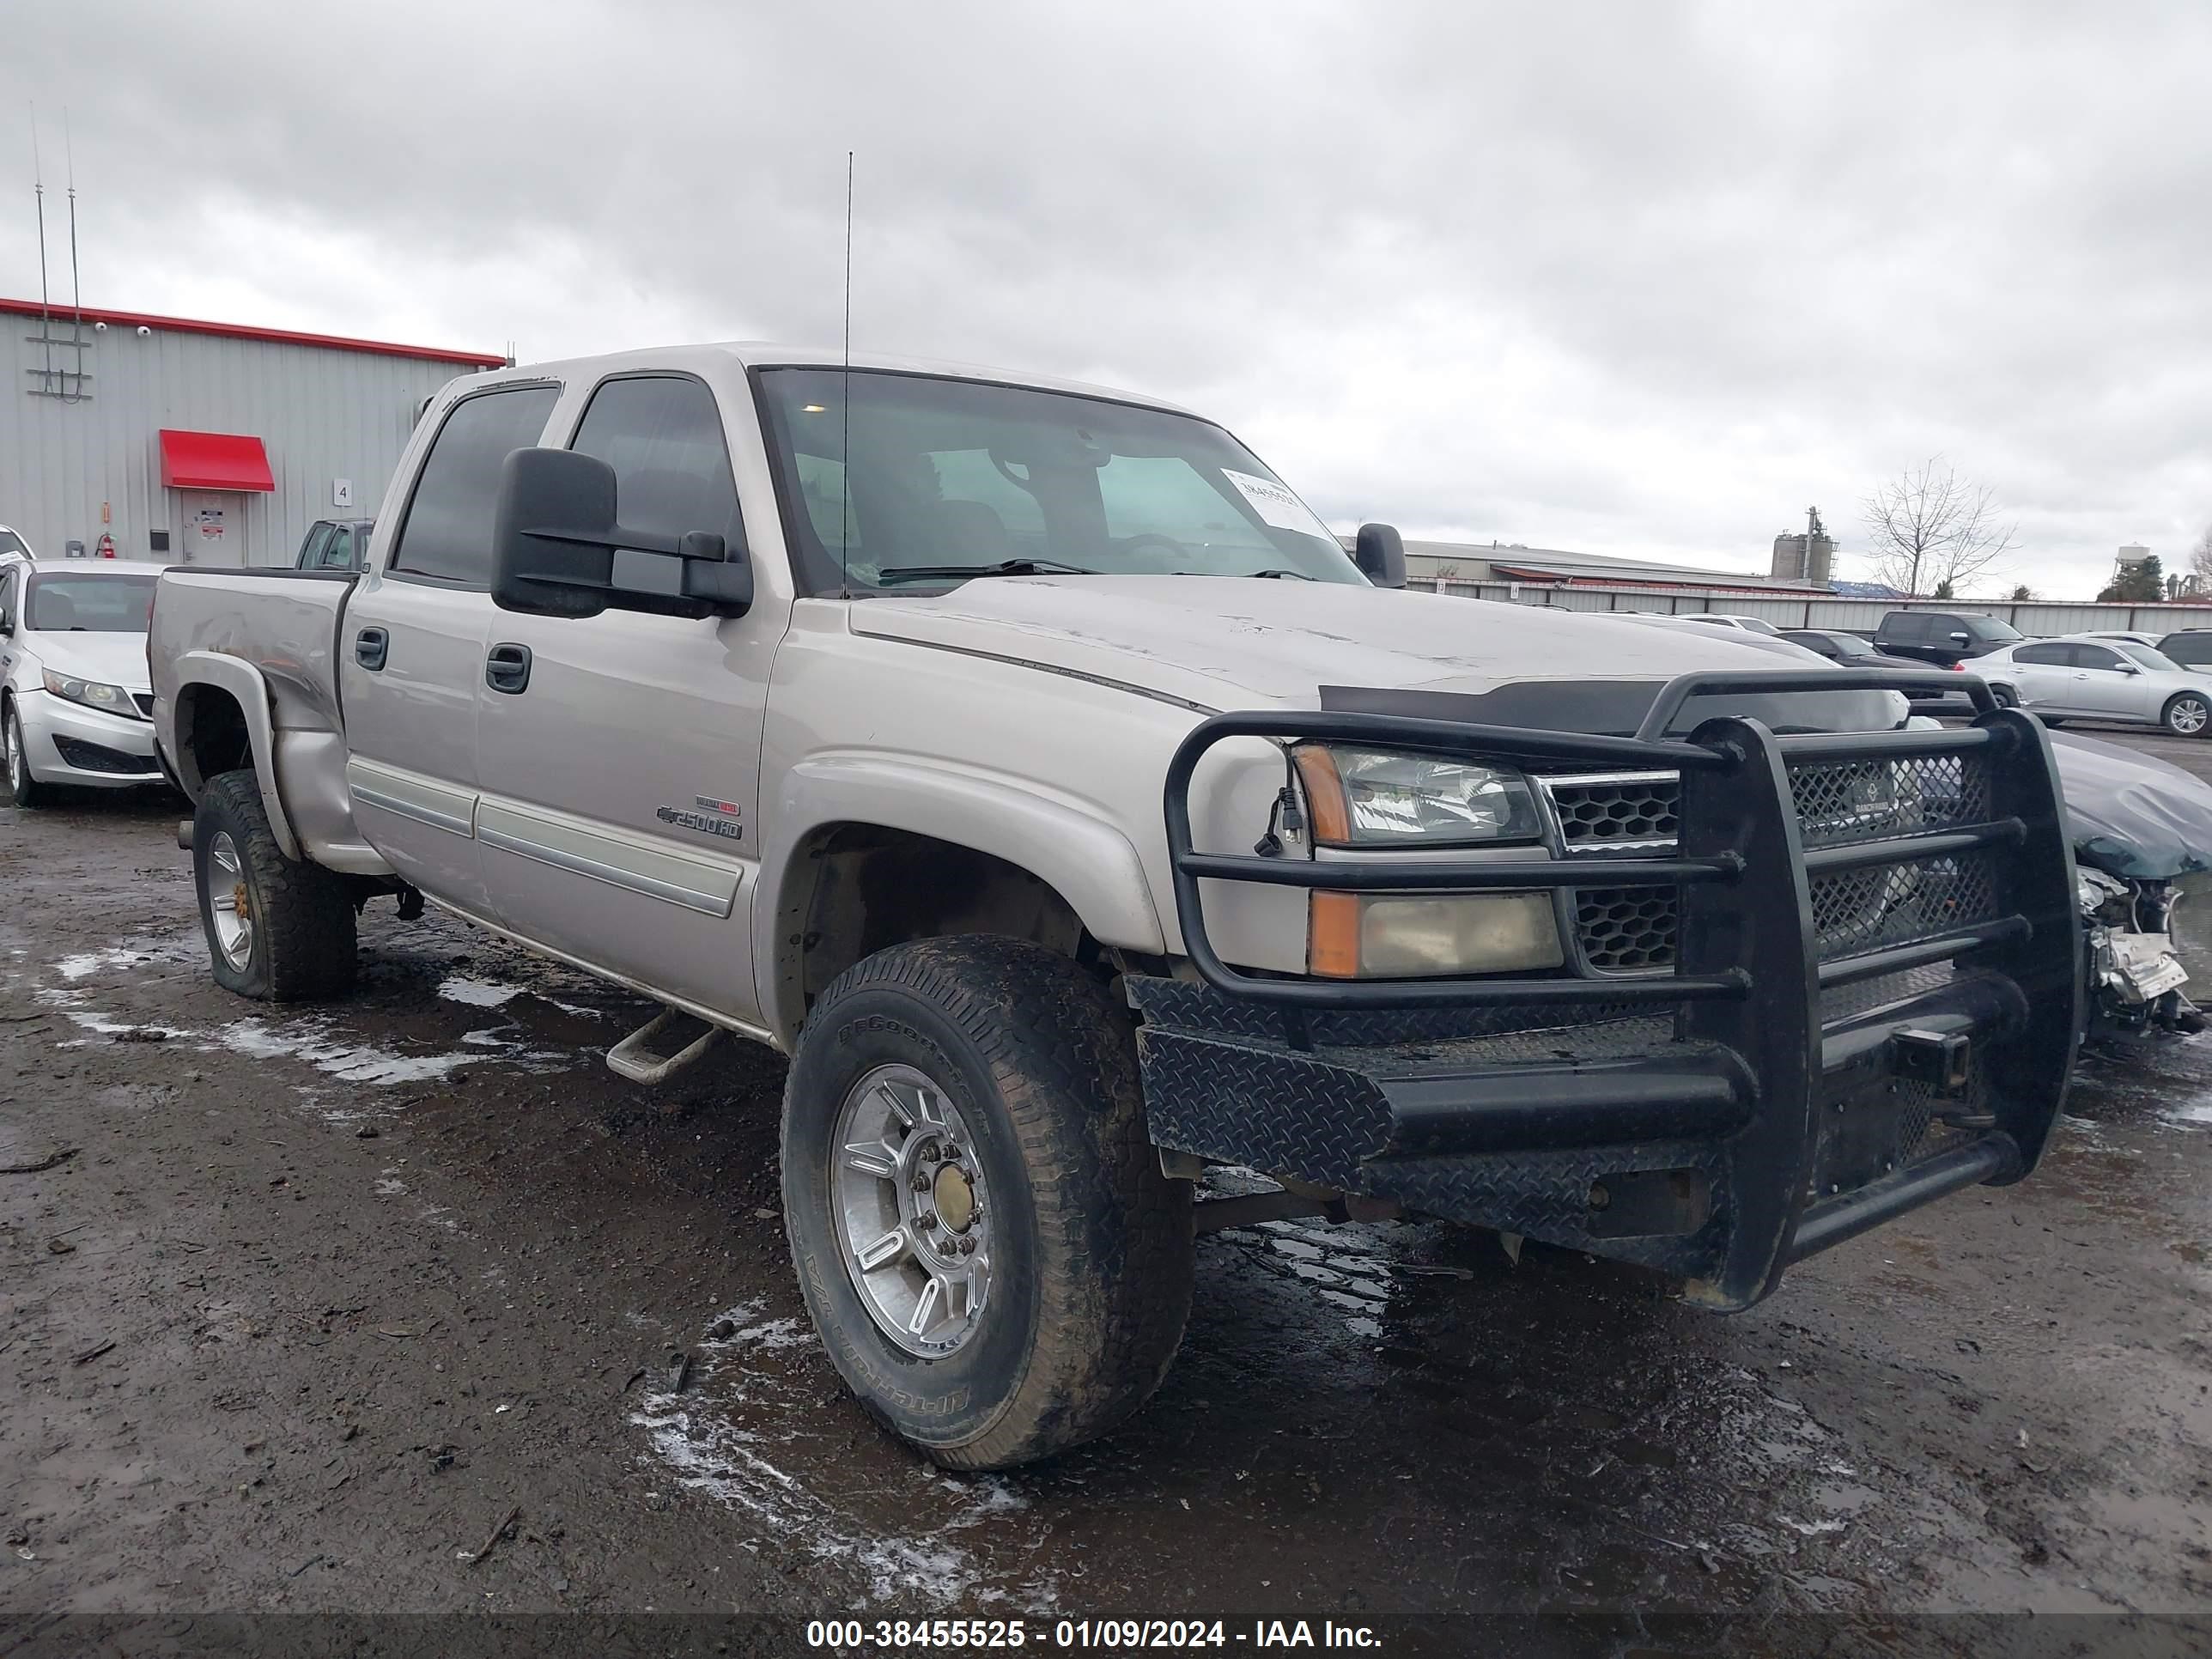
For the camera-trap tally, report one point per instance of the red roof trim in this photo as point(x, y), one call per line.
point(214, 460)
point(242, 331)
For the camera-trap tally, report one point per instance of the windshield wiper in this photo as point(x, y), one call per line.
point(1276, 575)
point(950, 572)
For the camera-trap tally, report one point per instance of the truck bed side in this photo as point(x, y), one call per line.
point(244, 672)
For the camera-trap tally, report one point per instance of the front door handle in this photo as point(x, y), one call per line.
point(507, 668)
point(369, 647)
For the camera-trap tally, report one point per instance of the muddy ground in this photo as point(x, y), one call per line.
point(319, 1298)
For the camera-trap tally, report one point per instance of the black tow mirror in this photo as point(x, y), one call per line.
point(1380, 553)
point(559, 550)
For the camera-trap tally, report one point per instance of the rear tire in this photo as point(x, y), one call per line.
point(2003, 696)
point(278, 929)
point(23, 790)
point(1009, 1066)
point(2187, 715)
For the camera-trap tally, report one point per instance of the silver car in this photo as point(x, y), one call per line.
point(2100, 679)
point(75, 703)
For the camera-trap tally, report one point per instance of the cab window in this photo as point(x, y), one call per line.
point(446, 533)
point(2043, 656)
point(662, 434)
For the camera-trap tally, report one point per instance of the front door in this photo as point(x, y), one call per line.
point(619, 754)
point(2107, 686)
point(211, 527)
point(412, 645)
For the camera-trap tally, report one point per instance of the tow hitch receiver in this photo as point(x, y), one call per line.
point(1941, 1062)
point(1869, 995)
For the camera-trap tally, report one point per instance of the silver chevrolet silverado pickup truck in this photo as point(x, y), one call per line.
point(1029, 763)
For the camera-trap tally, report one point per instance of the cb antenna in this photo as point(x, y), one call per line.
point(39, 194)
point(845, 405)
point(77, 289)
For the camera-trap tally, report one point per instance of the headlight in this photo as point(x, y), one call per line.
point(1381, 796)
point(1411, 935)
point(92, 694)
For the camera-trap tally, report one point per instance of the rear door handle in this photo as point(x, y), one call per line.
point(507, 668)
point(369, 647)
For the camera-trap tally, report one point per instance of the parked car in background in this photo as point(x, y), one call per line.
point(334, 544)
point(14, 547)
point(1722, 619)
point(76, 704)
point(2101, 680)
point(1855, 650)
point(2134, 636)
point(1945, 638)
point(2190, 647)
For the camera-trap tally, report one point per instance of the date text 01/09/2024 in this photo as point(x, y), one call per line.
point(842, 1635)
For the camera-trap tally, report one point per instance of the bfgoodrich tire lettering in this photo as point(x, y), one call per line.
point(297, 939)
point(1091, 1252)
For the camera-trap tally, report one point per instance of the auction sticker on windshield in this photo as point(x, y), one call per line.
point(1276, 505)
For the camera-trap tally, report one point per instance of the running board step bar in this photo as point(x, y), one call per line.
point(641, 1056)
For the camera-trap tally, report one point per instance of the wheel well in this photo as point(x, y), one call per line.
point(854, 889)
point(211, 735)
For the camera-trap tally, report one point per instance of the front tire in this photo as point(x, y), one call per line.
point(2187, 715)
point(23, 790)
point(2005, 696)
point(965, 1113)
point(278, 929)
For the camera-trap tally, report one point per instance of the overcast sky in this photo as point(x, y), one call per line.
point(1637, 278)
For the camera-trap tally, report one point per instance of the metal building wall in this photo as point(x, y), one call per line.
point(322, 413)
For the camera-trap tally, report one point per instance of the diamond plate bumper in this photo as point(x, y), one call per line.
point(1767, 1098)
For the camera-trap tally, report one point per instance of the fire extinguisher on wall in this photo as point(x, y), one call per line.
point(105, 547)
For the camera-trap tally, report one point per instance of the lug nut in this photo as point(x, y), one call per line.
point(927, 1218)
point(967, 1247)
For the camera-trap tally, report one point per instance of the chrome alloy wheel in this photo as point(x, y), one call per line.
point(2188, 716)
point(18, 767)
point(913, 1223)
point(229, 903)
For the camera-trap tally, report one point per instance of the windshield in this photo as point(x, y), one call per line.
point(89, 604)
point(953, 478)
point(11, 543)
point(2149, 656)
point(1989, 627)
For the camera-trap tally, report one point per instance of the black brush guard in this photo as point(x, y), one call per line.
point(1874, 1002)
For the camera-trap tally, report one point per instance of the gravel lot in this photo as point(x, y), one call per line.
point(319, 1298)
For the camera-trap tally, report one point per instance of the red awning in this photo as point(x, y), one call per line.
point(214, 460)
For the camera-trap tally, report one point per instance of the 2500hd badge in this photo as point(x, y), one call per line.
point(719, 818)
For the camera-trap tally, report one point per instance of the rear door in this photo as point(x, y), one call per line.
point(411, 646)
point(619, 754)
point(2044, 675)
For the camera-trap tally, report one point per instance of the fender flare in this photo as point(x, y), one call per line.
point(249, 689)
point(1087, 860)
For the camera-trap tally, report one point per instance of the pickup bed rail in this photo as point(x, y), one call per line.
point(1872, 1003)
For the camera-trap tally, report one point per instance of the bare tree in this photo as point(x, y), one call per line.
point(1930, 528)
point(2200, 559)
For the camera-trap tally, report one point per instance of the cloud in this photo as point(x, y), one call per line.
point(1628, 278)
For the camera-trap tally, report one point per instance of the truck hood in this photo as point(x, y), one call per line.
point(118, 659)
point(1226, 642)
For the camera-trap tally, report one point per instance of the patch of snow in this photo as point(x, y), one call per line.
point(478, 992)
point(2196, 1114)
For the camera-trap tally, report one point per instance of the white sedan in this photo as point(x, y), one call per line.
point(2100, 679)
point(76, 701)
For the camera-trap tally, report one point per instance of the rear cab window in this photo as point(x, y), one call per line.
point(445, 536)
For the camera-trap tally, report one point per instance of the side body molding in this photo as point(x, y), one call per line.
point(246, 683)
point(1089, 861)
